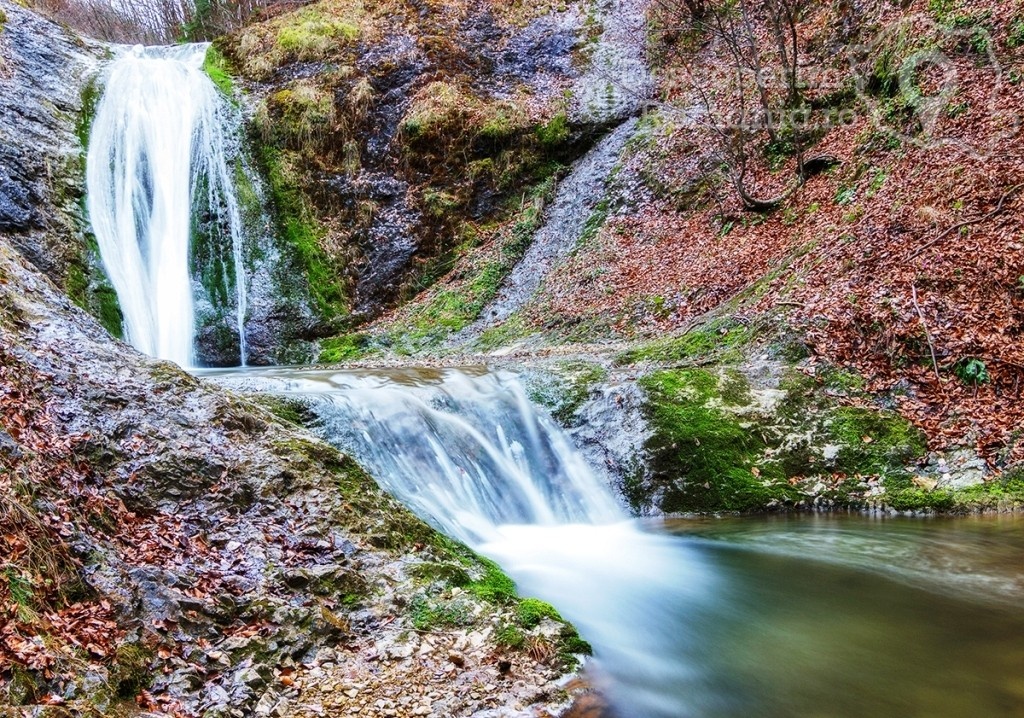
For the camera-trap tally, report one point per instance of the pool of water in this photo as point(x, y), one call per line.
point(834, 617)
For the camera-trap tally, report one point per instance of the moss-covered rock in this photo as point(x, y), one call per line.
point(705, 458)
point(388, 153)
point(720, 444)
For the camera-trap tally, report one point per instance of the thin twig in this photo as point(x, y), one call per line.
point(1015, 365)
point(927, 334)
point(966, 223)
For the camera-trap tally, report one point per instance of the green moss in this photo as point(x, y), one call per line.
point(734, 388)
point(508, 636)
point(596, 220)
point(446, 113)
point(3, 20)
point(494, 586)
point(302, 234)
point(212, 261)
point(555, 132)
point(1004, 493)
point(440, 203)
point(873, 442)
point(448, 573)
point(300, 117)
point(531, 611)
point(89, 288)
point(312, 35)
point(219, 70)
point(130, 673)
point(705, 457)
point(720, 339)
point(500, 126)
point(841, 380)
point(571, 645)
point(287, 409)
point(344, 348)
point(912, 498)
point(21, 688)
point(91, 93)
point(568, 389)
point(503, 334)
point(429, 614)
point(108, 310)
point(453, 309)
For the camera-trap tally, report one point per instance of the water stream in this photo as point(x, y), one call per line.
point(565, 222)
point(157, 161)
point(818, 617)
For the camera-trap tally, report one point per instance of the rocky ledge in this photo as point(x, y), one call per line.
point(172, 548)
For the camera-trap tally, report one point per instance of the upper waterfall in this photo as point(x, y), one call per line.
point(157, 161)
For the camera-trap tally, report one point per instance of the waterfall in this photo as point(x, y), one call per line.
point(468, 452)
point(156, 162)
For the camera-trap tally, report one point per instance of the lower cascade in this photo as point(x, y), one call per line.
point(156, 162)
point(468, 452)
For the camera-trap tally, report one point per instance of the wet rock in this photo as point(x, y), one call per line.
point(959, 469)
point(9, 446)
point(46, 69)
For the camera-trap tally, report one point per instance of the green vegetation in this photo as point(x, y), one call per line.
point(873, 442)
point(288, 409)
point(218, 68)
point(347, 347)
point(494, 586)
point(131, 673)
point(88, 287)
point(972, 371)
point(302, 233)
point(1015, 37)
point(715, 448)
point(503, 334)
point(312, 35)
point(446, 111)
point(299, 117)
point(596, 220)
point(316, 32)
point(531, 611)
point(719, 339)
point(555, 132)
point(509, 636)
point(91, 94)
point(707, 458)
point(452, 309)
point(565, 390)
point(430, 614)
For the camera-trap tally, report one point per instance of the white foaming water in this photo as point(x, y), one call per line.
point(772, 617)
point(467, 451)
point(156, 157)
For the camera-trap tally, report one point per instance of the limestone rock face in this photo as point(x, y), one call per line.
point(44, 70)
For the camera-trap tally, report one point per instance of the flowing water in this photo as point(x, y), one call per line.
point(565, 221)
point(836, 617)
point(156, 162)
